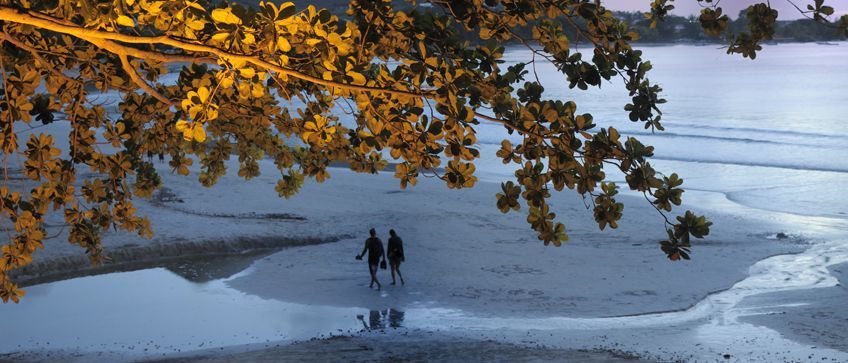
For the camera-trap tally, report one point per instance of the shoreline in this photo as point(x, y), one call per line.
point(135, 257)
point(800, 314)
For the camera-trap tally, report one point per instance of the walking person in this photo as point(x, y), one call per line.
point(395, 248)
point(374, 247)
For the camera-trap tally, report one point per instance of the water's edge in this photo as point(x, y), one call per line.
point(130, 258)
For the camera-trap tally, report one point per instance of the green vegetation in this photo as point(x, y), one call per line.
point(673, 29)
point(688, 29)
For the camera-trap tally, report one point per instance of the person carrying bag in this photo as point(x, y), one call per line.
point(374, 247)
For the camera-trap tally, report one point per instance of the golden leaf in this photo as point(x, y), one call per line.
point(124, 20)
point(220, 37)
point(182, 125)
point(283, 44)
point(358, 78)
point(198, 133)
point(196, 24)
point(225, 16)
point(247, 72)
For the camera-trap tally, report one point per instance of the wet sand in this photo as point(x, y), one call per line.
point(467, 264)
point(406, 347)
point(463, 254)
point(818, 317)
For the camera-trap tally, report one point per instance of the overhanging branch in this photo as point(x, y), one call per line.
point(93, 35)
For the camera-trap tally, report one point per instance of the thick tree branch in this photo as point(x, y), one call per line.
point(44, 22)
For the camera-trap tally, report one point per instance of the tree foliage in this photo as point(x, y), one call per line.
point(761, 21)
point(264, 83)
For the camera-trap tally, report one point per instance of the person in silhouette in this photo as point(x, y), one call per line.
point(395, 248)
point(374, 247)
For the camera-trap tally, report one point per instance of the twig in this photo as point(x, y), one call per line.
point(141, 83)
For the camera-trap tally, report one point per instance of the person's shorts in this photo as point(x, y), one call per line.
point(395, 261)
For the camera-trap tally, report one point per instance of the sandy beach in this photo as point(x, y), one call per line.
point(470, 270)
point(234, 272)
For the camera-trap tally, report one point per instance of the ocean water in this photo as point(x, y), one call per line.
point(770, 133)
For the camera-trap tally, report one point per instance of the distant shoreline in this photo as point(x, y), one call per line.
point(696, 43)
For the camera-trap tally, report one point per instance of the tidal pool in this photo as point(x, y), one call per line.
point(186, 306)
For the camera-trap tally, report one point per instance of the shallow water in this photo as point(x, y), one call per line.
point(771, 132)
point(168, 314)
point(196, 268)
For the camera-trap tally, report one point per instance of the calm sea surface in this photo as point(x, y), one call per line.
point(770, 133)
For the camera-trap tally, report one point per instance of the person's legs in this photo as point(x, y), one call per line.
point(393, 267)
point(373, 270)
point(397, 268)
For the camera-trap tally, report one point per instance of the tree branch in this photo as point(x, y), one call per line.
point(125, 62)
point(35, 54)
point(48, 23)
point(509, 125)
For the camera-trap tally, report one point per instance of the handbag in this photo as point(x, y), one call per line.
point(383, 264)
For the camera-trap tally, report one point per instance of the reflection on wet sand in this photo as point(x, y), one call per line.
point(377, 319)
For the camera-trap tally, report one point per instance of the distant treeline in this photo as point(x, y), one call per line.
point(684, 29)
point(675, 29)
